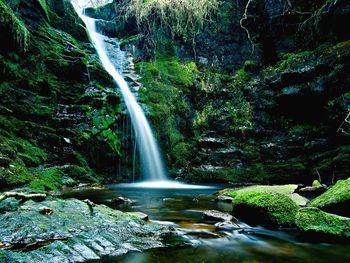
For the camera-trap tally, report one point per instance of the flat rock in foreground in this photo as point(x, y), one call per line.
point(73, 232)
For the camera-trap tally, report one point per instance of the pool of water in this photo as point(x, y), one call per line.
point(184, 207)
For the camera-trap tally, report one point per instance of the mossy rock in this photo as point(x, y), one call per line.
point(336, 200)
point(316, 183)
point(265, 208)
point(287, 190)
point(319, 224)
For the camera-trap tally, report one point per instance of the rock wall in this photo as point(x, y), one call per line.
point(59, 111)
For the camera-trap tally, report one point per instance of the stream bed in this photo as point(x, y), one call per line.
point(184, 208)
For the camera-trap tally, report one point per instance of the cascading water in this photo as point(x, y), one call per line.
point(152, 165)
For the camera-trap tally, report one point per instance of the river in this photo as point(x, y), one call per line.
point(184, 208)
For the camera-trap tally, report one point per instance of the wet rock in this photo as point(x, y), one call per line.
point(208, 142)
point(73, 234)
point(216, 216)
point(312, 190)
point(140, 215)
point(224, 198)
point(45, 210)
point(120, 200)
point(227, 226)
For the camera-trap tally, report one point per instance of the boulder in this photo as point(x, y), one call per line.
point(224, 198)
point(287, 190)
point(268, 209)
point(120, 200)
point(73, 234)
point(317, 223)
point(216, 216)
point(336, 200)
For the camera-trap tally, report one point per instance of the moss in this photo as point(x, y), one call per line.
point(281, 189)
point(44, 7)
point(316, 183)
point(9, 20)
point(266, 208)
point(314, 221)
point(46, 179)
point(167, 85)
point(336, 199)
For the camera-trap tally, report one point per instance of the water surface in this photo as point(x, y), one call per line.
point(184, 207)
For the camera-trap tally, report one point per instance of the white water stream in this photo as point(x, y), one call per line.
point(153, 169)
point(152, 165)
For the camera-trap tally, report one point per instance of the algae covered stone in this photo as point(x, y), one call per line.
point(336, 200)
point(314, 221)
point(265, 208)
point(287, 190)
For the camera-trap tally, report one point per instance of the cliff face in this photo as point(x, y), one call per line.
point(261, 95)
point(59, 110)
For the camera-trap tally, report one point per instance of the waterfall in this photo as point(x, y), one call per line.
point(152, 165)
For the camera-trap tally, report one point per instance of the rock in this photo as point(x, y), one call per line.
point(312, 190)
point(120, 200)
point(216, 216)
point(315, 222)
point(224, 198)
point(298, 199)
point(208, 142)
point(265, 208)
point(281, 189)
point(226, 226)
point(73, 234)
point(140, 215)
point(336, 200)
point(287, 190)
point(45, 210)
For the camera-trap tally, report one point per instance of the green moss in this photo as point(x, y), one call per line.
point(44, 7)
point(313, 220)
point(46, 179)
point(167, 87)
point(9, 20)
point(269, 209)
point(281, 189)
point(336, 199)
point(316, 183)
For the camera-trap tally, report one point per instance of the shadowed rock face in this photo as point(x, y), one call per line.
point(72, 232)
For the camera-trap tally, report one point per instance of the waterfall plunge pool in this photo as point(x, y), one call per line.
point(184, 208)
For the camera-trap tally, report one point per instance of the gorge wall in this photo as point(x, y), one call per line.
point(260, 94)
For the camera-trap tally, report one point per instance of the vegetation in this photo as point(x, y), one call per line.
point(316, 222)
point(9, 21)
point(183, 18)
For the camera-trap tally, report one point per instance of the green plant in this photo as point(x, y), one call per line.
point(20, 33)
point(182, 18)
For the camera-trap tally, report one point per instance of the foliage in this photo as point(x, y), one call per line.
point(9, 20)
point(181, 17)
point(167, 86)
